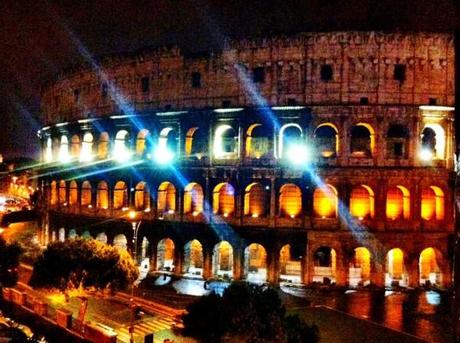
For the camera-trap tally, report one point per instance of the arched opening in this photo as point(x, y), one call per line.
point(102, 237)
point(360, 268)
point(290, 265)
point(141, 142)
point(196, 143)
point(75, 147)
point(255, 263)
point(397, 141)
point(64, 155)
point(167, 147)
point(430, 273)
point(121, 150)
point(325, 201)
point(120, 242)
point(222, 260)
point(61, 234)
point(226, 143)
point(48, 156)
point(102, 196)
point(396, 274)
point(432, 207)
point(326, 141)
point(166, 198)
point(53, 193)
point(325, 262)
point(86, 235)
point(142, 197)
point(290, 135)
point(223, 200)
point(62, 193)
point(193, 258)
point(362, 140)
point(193, 199)
point(120, 196)
point(86, 154)
point(290, 201)
point(362, 202)
point(73, 193)
point(433, 142)
point(254, 200)
point(165, 255)
point(257, 141)
point(398, 203)
point(73, 234)
point(86, 196)
point(103, 145)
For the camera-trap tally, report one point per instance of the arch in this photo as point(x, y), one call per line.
point(102, 195)
point(196, 143)
point(430, 273)
point(167, 146)
point(48, 156)
point(53, 193)
point(120, 242)
point(86, 154)
point(257, 141)
point(290, 134)
point(223, 202)
point(325, 202)
point(193, 258)
point(432, 206)
point(86, 196)
point(397, 141)
point(62, 193)
point(61, 234)
point(86, 235)
point(290, 265)
point(360, 267)
point(362, 140)
point(73, 193)
point(255, 263)
point(102, 237)
point(193, 199)
point(75, 146)
point(73, 234)
point(362, 202)
point(398, 203)
point(165, 255)
point(103, 145)
point(254, 200)
point(226, 142)
point(395, 268)
point(141, 141)
point(64, 149)
point(325, 265)
point(326, 140)
point(121, 146)
point(142, 196)
point(290, 200)
point(120, 196)
point(166, 202)
point(222, 260)
point(433, 141)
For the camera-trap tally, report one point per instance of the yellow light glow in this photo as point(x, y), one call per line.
point(428, 263)
point(132, 214)
point(432, 206)
point(290, 200)
point(362, 202)
point(325, 202)
point(395, 260)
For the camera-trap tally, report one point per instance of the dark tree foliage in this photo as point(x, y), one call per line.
point(245, 313)
point(85, 262)
point(9, 261)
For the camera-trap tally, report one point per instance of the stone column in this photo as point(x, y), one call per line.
point(413, 271)
point(178, 260)
point(273, 269)
point(238, 263)
point(341, 273)
point(272, 202)
point(377, 271)
point(207, 263)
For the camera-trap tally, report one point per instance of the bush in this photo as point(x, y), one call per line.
point(83, 262)
point(9, 261)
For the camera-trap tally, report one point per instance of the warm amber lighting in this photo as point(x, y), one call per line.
point(432, 206)
point(290, 200)
point(325, 202)
point(254, 200)
point(132, 215)
point(102, 198)
point(428, 263)
point(363, 260)
point(398, 203)
point(395, 263)
point(120, 196)
point(362, 202)
point(193, 198)
point(224, 199)
point(166, 197)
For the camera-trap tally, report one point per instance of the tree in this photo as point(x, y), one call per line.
point(9, 261)
point(83, 262)
point(245, 313)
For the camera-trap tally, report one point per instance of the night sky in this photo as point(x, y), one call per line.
point(37, 37)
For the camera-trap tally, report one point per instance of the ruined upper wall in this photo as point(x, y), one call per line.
point(362, 63)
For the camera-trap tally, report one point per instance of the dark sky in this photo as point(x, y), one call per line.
point(36, 37)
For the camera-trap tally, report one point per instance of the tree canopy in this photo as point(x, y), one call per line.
point(83, 262)
point(245, 313)
point(9, 261)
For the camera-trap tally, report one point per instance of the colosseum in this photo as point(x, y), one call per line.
point(316, 158)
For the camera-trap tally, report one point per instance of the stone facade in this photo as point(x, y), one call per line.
point(368, 198)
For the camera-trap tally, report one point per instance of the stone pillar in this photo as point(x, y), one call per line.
point(380, 204)
point(238, 263)
point(377, 272)
point(273, 268)
point(413, 271)
point(272, 213)
point(178, 260)
point(207, 263)
point(341, 273)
